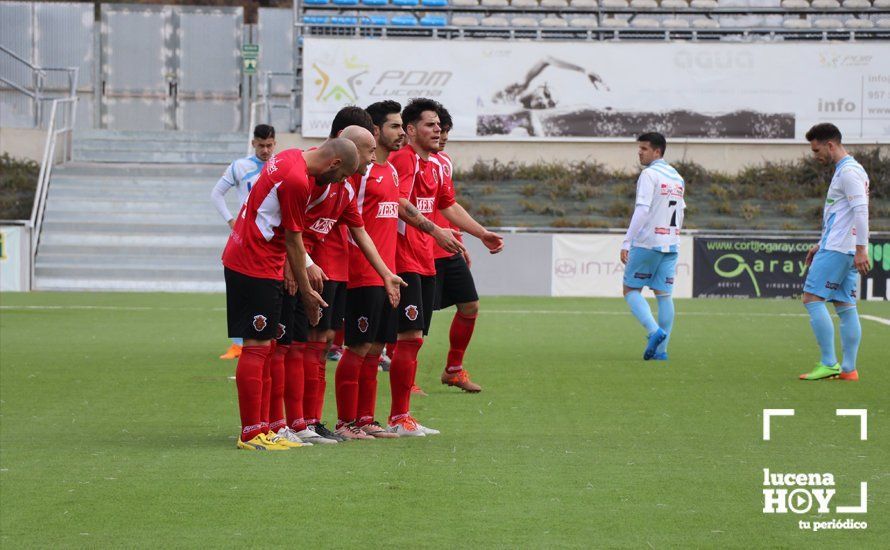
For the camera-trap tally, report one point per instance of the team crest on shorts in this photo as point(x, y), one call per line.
point(363, 324)
point(259, 322)
point(411, 312)
point(280, 332)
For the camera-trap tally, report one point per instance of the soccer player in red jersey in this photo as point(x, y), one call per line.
point(371, 321)
point(420, 194)
point(267, 234)
point(454, 282)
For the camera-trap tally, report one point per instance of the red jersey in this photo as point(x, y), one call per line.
point(331, 254)
point(277, 202)
point(419, 182)
point(378, 204)
point(329, 205)
point(446, 169)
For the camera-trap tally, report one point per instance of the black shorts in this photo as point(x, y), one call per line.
point(294, 324)
point(369, 317)
point(415, 309)
point(334, 295)
point(253, 306)
point(454, 282)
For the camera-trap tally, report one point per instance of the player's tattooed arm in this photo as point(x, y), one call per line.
point(444, 237)
point(458, 216)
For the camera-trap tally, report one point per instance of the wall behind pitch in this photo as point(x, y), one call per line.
point(521, 269)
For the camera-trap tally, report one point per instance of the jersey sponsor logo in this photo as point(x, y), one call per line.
point(411, 313)
point(662, 231)
point(426, 204)
point(323, 225)
point(279, 334)
point(363, 324)
point(388, 210)
point(259, 322)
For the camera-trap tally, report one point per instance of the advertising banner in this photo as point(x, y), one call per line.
point(560, 90)
point(589, 265)
point(772, 268)
point(14, 260)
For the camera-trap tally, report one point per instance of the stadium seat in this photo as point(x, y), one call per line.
point(883, 23)
point(524, 22)
point(315, 20)
point(464, 21)
point(315, 2)
point(795, 4)
point(826, 4)
point(673, 4)
point(615, 3)
point(434, 3)
point(524, 3)
point(828, 23)
point(554, 22)
point(433, 21)
point(613, 23)
point(345, 2)
point(797, 23)
point(583, 4)
point(346, 20)
point(703, 4)
point(859, 24)
point(857, 4)
point(405, 3)
point(645, 23)
point(675, 23)
point(377, 20)
point(403, 21)
point(375, 2)
point(705, 23)
point(881, 3)
point(643, 4)
point(495, 21)
point(464, 3)
point(495, 3)
point(584, 23)
point(554, 3)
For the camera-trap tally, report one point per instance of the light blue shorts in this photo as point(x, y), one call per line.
point(650, 268)
point(832, 276)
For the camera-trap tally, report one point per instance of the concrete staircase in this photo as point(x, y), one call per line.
point(133, 213)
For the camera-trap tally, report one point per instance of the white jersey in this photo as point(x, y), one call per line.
point(660, 187)
point(242, 174)
point(848, 189)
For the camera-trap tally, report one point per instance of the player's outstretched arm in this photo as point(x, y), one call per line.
point(391, 281)
point(412, 216)
point(296, 257)
point(458, 216)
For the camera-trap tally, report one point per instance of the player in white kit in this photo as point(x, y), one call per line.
point(841, 255)
point(241, 175)
point(651, 244)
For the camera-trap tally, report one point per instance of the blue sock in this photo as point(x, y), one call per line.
point(823, 328)
point(665, 318)
point(851, 335)
point(640, 308)
point(238, 341)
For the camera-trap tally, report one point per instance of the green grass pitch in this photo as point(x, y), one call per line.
point(118, 427)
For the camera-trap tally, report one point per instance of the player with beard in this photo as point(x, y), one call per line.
point(420, 194)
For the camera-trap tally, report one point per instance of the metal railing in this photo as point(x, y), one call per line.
point(267, 104)
point(62, 118)
point(39, 91)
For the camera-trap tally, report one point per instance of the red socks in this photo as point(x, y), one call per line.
point(276, 409)
point(367, 390)
point(461, 331)
point(249, 380)
point(313, 361)
point(321, 386)
point(401, 375)
point(267, 387)
point(346, 384)
point(293, 386)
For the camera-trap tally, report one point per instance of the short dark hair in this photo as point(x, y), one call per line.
point(351, 115)
point(656, 140)
point(445, 119)
point(263, 131)
point(382, 109)
point(416, 107)
point(825, 131)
